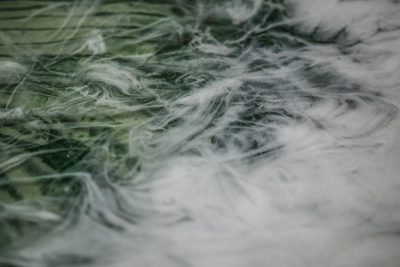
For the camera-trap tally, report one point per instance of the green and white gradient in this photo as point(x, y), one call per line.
point(199, 133)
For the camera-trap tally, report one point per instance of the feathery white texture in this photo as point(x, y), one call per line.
point(31, 213)
point(95, 43)
point(119, 78)
point(12, 114)
point(214, 49)
point(268, 163)
point(11, 72)
point(241, 11)
point(375, 24)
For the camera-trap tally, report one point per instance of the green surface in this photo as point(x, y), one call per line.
point(60, 117)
